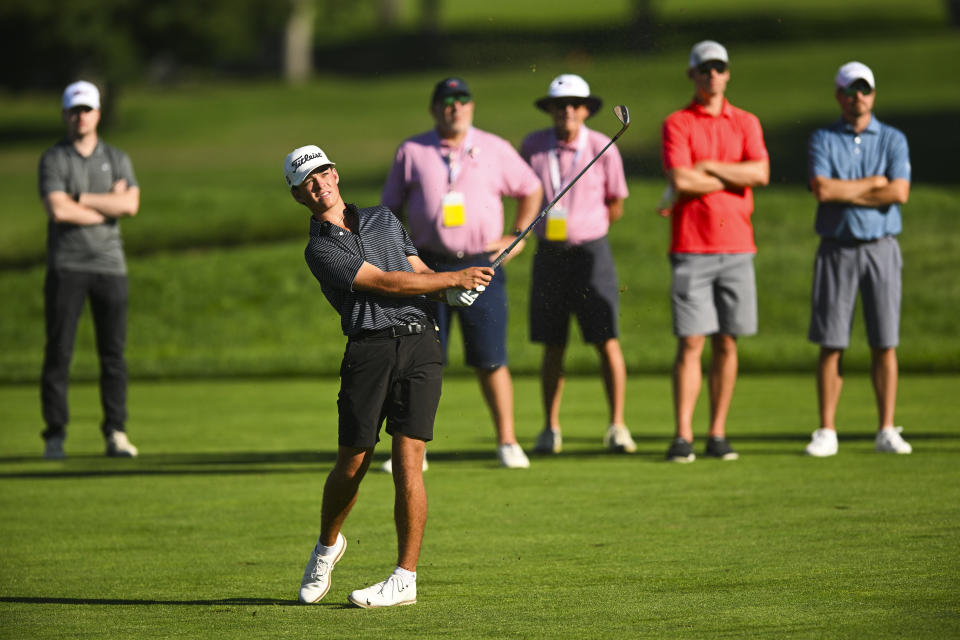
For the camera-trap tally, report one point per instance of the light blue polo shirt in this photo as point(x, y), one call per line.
point(839, 152)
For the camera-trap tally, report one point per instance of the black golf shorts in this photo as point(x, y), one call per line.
point(397, 379)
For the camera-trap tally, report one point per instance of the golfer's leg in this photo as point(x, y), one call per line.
point(687, 377)
point(340, 491)
point(551, 384)
point(410, 502)
point(723, 378)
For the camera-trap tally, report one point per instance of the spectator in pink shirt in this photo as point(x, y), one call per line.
point(573, 269)
point(447, 183)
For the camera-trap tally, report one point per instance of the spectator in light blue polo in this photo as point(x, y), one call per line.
point(860, 175)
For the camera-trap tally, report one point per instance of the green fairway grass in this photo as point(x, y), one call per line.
point(206, 533)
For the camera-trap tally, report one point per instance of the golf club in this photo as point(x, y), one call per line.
point(623, 115)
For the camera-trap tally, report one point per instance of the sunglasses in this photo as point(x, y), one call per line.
point(860, 86)
point(449, 101)
point(563, 103)
point(705, 68)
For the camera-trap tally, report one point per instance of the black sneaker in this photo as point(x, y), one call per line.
point(720, 448)
point(680, 451)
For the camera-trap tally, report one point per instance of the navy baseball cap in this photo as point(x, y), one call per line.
point(450, 87)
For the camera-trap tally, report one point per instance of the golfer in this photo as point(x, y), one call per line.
point(370, 273)
point(573, 269)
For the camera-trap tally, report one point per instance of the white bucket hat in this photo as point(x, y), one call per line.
point(569, 85)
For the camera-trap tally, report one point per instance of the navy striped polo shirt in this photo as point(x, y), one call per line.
point(335, 255)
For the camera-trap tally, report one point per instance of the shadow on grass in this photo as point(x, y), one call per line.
point(243, 602)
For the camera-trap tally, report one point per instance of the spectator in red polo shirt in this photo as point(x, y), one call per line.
point(713, 154)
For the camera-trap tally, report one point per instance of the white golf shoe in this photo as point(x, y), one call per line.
point(823, 444)
point(618, 439)
point(119, 446)
point(889, 441)
point(512, 456)
point(387, 466)
point(549, 441)
point(53, 448)
point(316, 577)
point(391, 592)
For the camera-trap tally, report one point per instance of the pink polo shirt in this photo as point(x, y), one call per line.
point(585, 202)
point(484, 169)
point(717, 222)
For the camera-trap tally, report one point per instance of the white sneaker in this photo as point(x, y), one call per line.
point(889, 441)
point(512, 456)
point(549, 441)
point(822, 444)
point(119, 446)
point(387, 466)
point(618, 439)
point(316, 577)
point(391, 592)
point(53, 449)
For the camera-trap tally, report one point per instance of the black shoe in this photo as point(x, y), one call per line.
point(680, 451)
point(720, 448)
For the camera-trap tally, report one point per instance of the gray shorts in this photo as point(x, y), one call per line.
point(839, 271)
point(713, 293)
point(580, 281)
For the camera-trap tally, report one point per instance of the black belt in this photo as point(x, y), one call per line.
point(396, 331)
point(852, 242)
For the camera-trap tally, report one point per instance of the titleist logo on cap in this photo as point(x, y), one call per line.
point(305, 158)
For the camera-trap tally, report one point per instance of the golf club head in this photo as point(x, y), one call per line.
point(623, 114)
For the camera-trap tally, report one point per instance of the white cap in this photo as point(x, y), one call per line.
point(851, 72)
point(300, 162)
point(569, 85)
point(707, 50)
point(81, 93)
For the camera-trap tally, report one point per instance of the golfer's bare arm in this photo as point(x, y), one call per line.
point(404, 283)
point(872, 191)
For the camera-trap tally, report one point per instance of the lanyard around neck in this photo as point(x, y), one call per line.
point(553, 158)
point(453, 158)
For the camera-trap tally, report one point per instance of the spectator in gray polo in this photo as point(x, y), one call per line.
point(860, 175)
point(86, 186)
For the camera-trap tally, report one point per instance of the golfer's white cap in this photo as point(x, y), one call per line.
point(851, 72)
point(81, 94)
point(300, 162)
point(707, 50)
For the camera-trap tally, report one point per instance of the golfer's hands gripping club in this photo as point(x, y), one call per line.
point(471, 282)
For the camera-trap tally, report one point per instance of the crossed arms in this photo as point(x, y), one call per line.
point(93, 208)
point(872, 191)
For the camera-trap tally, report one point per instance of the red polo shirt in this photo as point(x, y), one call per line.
point(717, 222)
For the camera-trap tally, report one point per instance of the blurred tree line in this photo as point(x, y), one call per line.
point(48, 43)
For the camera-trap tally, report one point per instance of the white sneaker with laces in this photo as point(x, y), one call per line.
point(391, 592)
point(53, 448)
point(618, 439)
point(549, 441)
point(387, 466)
point(889, 440)
point(119, 446)
point(823, 444)
point(316, 577)
point(512, 456)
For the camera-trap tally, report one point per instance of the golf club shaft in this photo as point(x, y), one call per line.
point(503, 254)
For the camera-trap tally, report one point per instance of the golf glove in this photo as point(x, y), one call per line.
point(457, 297)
